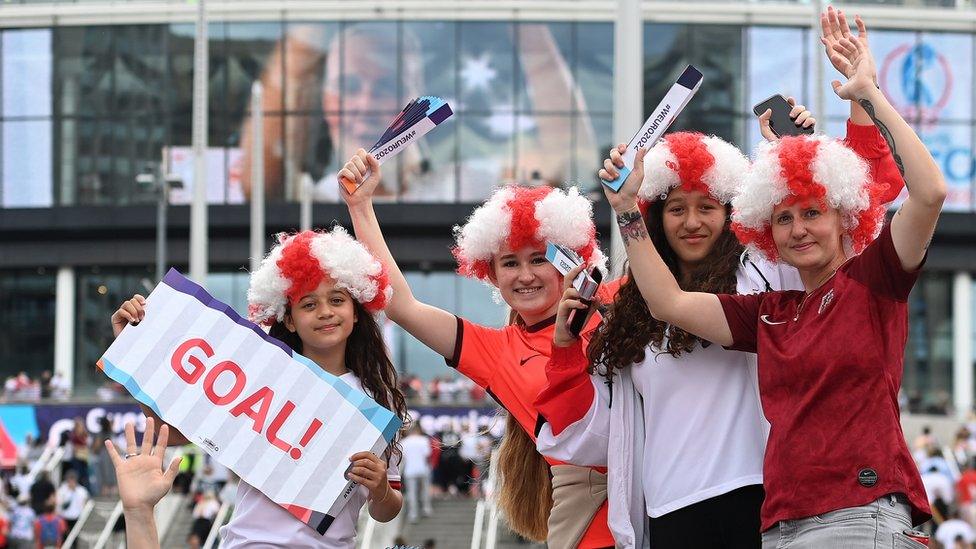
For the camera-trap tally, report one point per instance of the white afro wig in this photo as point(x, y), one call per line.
point(299, 262)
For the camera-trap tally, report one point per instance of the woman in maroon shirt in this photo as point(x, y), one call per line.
point(837, 471)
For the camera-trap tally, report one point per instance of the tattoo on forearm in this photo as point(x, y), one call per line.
point(631, 226)
point(885, 132)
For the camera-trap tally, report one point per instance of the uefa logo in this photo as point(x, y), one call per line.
point(918, 79)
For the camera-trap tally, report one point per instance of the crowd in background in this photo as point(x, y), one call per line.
point(36, 511)
point(441, 390)
point(22, 387)
point(948, 471)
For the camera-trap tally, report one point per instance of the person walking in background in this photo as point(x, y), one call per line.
point(22, 523)
point(204, 514)
point(954, 528)
point(49, 529)
point(79, 440)
point(101, 465)
point(416, 471)
point(71, 498)
point(41, 492)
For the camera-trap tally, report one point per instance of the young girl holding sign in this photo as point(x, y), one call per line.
point(318, 291)
point(504, 243)
point(836, 470)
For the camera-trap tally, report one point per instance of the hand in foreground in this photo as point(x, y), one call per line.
point(625, 199)
point(561, 337)
point(131, 311)
point(355, 172)
point(142, 481)
point(800, 115)
point(370, 471)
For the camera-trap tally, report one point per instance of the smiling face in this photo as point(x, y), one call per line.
point(693, 222)
point(808, 236)
point(324, 318)
point(529, 284)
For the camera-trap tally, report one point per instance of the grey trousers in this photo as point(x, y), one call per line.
point(418, 493)
point(877, 525)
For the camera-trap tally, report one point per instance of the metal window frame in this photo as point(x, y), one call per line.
point(743, 13)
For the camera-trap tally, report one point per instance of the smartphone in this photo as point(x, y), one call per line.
point(780, 121)
point(577, 317)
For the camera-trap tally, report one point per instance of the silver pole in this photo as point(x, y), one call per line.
point(162, 198)
point(198, 207)
point(628, 96)
point(305, 212)
point(257, 176)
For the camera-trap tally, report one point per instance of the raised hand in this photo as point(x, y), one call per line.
point(626, 198)
point(863, 75)
point(142, 481)
point(363, 171)
point(834, 29)
point(131, 311)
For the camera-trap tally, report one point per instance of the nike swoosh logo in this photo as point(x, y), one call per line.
point(765, 318)
point(528, 358)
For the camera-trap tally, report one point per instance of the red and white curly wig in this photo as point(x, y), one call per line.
point(807, 170)
point(526, 216)
point(694, 162)
point(298, 263)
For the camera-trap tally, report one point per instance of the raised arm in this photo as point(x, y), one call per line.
point(142, 482)
point(695, 312)
point(834, 28)
point(914, 223)
point(435, 327)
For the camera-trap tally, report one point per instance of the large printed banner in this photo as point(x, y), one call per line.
point(272, 416)
point(928, 77)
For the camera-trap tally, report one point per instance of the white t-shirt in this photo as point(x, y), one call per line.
point(260, 522)
point(947, 532)
point(416, 452)
point(937, 485)
point(71, 502)
point(705, 432)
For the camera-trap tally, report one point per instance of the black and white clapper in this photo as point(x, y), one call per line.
point(586, 283)
point(661, 118)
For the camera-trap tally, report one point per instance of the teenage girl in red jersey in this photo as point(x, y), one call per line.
point(837, 471)
point(504, 243)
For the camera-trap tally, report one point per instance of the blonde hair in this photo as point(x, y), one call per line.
point(525, 481)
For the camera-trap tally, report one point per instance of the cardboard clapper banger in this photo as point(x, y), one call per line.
point(659, 121)
point(418, 118)
point(269, 414)
point(587, 282)
point(566, 260)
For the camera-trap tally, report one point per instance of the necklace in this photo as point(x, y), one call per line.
point(820, 283)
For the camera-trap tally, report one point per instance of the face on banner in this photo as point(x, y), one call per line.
point(522, 96)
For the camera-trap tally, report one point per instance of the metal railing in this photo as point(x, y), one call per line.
point(40, 463)
point(222, 515)
point(109, 527)
point(82, 519)
point(486, 506)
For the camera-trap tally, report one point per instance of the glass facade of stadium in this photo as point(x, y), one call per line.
point(94, 94)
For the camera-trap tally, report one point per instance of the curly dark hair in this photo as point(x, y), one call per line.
point(366, 358)
point(629, 327)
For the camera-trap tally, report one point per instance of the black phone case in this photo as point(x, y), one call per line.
point(577, 317)
point(780, 121)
